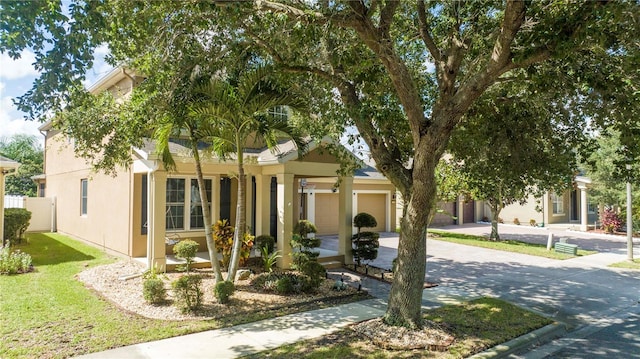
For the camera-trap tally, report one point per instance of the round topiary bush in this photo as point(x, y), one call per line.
point(223, 291)
point(186, 250)
point(364, 219)
point(153, 290)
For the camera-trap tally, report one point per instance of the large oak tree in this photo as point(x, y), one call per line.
point(404, 73)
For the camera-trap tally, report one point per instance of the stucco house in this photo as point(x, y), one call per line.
point(145, 207)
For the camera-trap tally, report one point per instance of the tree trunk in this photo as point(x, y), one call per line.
point(241, 220)
point(405, 299)
point(206, 214)
point(495, 214)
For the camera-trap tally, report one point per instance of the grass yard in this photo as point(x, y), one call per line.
point(477, 325)
point(50, 314)
point(508, 245)
point(627, 265)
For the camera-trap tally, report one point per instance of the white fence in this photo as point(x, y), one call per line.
point(14, 201)
point(42, 211)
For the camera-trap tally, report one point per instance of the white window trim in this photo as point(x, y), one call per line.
point(84, 205)
point(187, 204)
point(553, 202)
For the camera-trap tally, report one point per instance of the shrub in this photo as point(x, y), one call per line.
point(516, 221)
point(269, 259)
point(245, 249)
point(611, 221)
point(265, 241)
point(364, 219)
point(153, 289)
point(14, 262)
point(186, 250)
point(223, 290)
point(316, 273)
point(365, 244)
point(283, 283)
point(223, 237)
point(303, 244)
point(532, 222)
point(16, 222)
point(188, 292)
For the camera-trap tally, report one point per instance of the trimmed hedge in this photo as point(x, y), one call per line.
point(16, 222)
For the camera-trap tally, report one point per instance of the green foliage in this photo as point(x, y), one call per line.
point(14, 261)
point(223, 238)
point(269, 259)
point(26, 150)
point(516, 221)
point(153, 290)
point(223, 291)
point(303, 228)
point(366, 246)
point(245, 248)
point(187, 250)
point(265, 241)
point(364, 219)
point(315, 272)
point(188, 292)
point(283, 283)
point(16, 222)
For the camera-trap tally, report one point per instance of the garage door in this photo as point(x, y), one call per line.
point(375, 205)
point(326, 213)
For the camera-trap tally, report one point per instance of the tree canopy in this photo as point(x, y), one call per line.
point(28, 152)
point(405, 73)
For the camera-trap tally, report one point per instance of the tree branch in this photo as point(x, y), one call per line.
point(425, 33)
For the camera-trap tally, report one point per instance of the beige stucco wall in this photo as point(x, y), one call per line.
point(524, 213)
point(107, 221)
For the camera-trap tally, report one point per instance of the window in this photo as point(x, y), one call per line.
point(175, 203)
point(279, 112)
point(42, 188)
point(558, 204)
point(592, 208)
point(196, 220)
point(84, 186)
point(179, 196)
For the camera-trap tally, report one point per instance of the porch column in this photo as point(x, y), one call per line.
point(263, 204)
point(156, 202)
point(215, 199)
point(584, 218)
point(286, 190)
point(345, 218)
point(546, 210)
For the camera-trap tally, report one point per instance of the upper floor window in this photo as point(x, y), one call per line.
point(84, 198)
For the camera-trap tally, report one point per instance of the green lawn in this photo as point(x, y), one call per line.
point(50, 314)
point(626, 264)
point(477, 325)
point(503, 245)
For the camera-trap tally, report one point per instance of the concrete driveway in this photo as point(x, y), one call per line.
point(599, 304)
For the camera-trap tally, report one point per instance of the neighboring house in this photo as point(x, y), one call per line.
point(572, 207)
point(6, 166)
point(144, 207)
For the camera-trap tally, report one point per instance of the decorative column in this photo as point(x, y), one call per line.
point(215, 199)
point(156, 202)
point(285, 194)
point(263, 204)
point(460, 210)
point(345, 218)
point(584, 217)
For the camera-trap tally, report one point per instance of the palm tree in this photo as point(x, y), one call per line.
point(174, 124)
point(237, 111)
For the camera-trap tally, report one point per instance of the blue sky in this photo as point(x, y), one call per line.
point(16, 78)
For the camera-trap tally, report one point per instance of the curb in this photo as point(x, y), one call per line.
point(538, 336)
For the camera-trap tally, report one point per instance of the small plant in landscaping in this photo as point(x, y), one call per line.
point(269, 259)
point(223, 236)
point(223, 291)
point(303, 244)
point(153, 289)
point(283, 283)
point(186, 250)
point(516, 221)
point(188, 292)
point(14, 262)
point(267, 242)
point(611, 221)
point(532, 223)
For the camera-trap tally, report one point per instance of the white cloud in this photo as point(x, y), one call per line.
point(11, 122)
point(11, 69)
